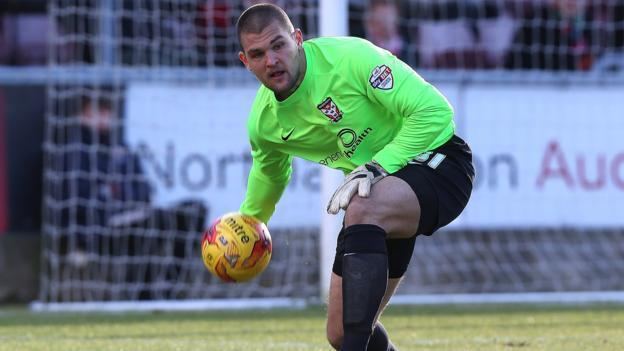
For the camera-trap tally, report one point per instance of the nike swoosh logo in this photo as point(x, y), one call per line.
point(285, 137)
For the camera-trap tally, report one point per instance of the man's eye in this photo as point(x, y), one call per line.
point(278, 46)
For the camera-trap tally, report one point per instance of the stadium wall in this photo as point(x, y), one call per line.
point(19, 267)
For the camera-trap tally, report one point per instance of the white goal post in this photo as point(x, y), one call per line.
point(333, 21)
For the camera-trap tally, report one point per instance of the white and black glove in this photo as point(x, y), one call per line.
point(360, 179)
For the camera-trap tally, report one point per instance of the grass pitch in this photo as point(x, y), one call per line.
point(519, 327)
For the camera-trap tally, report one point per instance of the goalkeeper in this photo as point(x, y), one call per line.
point(349, 105)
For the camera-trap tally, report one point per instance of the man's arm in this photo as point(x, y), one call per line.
point(427, 124)
point(269, 175)
point(428, 116)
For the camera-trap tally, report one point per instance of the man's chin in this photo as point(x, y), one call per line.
point(277, 89)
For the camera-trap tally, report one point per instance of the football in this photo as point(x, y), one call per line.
point(236, 247)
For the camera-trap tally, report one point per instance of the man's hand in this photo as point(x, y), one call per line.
point(360, 179)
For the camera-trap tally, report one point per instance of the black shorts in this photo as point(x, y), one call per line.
point(442, 180)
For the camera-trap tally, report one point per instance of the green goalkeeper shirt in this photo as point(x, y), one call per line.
point(356, 103)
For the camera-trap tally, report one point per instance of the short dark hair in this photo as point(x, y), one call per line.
point(258, 17)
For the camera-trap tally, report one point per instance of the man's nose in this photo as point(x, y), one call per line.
point(271, 59)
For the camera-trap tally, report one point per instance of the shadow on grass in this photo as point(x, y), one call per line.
point(21, 316)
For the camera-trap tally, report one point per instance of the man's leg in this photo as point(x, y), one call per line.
point(379, 340)
point(399, 255)
point(334, 316)
point(392, 211)
point(394, 205)
point(364, 281)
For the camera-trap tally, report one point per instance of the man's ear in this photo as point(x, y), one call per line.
point(298, 36)
point(243, 59)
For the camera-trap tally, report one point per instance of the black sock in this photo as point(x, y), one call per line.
point(379, 340)
point(364, 281)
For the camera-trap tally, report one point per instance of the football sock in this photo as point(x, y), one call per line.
point(379, 340)
point(364, 281)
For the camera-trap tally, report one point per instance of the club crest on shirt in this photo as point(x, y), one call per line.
point(330, 109)
point(381, 78)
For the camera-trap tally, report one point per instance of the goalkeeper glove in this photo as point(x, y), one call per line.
point(360, 179)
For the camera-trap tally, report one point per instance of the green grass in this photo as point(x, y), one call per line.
point(598, 327)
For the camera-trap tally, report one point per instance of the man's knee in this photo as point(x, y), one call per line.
point(361, 211)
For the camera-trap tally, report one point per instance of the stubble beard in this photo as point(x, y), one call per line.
point(300, 73)
point(301, 69)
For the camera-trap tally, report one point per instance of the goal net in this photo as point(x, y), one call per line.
point(145, 145)
point(124, 212)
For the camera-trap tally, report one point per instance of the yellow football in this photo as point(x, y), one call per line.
point(236, 247)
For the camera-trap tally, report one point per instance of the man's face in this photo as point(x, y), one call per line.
point(272, 56)
point(98, 118)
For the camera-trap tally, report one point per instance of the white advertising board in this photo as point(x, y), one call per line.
point(545, 156)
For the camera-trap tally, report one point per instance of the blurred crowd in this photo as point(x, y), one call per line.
point(509, 34)
point(442, 34)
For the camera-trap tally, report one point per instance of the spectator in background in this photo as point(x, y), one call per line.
point(495, 26)
point(121, 181)
point(106, 201)
point(381, 26)
point(556, 35)
point(448, 37)
point(98, 176)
